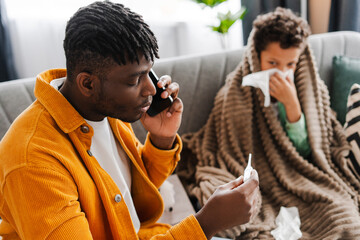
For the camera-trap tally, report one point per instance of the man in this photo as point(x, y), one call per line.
point(71, 166)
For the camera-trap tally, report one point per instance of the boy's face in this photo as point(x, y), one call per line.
point(125, 92)
point(276, 57)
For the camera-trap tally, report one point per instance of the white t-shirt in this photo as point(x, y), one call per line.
point(112, 158)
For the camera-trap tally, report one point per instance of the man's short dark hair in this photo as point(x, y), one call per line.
point(104, 33)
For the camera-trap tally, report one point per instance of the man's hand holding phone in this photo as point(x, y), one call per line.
point(163, 118)
point(158, 104)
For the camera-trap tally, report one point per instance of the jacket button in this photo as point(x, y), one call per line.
point(84, 129)
point(117, 198)
point(89, 152)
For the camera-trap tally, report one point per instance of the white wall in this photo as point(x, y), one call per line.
point(37, 29)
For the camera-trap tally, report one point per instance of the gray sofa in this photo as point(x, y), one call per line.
point(199, 77)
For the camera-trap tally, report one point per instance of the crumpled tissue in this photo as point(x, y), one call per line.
point(288, 224)
point(261, 80)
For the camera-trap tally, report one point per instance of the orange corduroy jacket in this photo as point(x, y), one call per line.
point(53, 188)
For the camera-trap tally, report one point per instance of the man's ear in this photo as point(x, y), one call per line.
point(85, 83)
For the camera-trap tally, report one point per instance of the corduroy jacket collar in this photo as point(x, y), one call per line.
point(47, 95)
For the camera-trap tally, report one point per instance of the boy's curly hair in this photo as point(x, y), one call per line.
point(282, 26)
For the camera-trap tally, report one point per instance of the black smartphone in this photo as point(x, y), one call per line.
point(158, 104)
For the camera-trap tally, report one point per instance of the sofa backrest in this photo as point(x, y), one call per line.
point(15, 96)
point(199, 77)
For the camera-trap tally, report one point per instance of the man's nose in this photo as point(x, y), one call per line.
point(149, 88)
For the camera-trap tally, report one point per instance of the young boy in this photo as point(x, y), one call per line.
point(297, 144)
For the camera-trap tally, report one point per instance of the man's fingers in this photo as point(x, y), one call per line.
point(255, 195)
point(254, 200)
point(234, 183)
point(251, 184)
point(254, 174)
point(172, 90)
point(164, 81)
point(176, 106)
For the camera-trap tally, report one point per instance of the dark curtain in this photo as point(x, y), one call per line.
point(344, 15)
point(257, 7)
point(7, 69)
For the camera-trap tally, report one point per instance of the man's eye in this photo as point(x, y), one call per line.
point(134, 82)
point(272, 63)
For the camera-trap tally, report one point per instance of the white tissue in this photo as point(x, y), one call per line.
point(247, 172)
point(261, 80)
point(288, 224)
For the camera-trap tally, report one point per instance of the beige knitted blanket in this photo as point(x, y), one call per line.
point(323, 188)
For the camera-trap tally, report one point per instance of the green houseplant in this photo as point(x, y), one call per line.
point(225, 20)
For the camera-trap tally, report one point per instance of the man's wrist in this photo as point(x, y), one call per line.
point(164, 143)
point(203, 221)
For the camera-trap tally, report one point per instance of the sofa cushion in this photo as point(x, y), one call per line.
point(352, 128)
point(346, 72)
point(15, 96)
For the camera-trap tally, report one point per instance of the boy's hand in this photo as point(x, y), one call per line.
point(284, 91)
point(164, 126)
